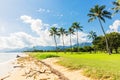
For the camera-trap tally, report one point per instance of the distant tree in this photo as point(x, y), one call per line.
point(70, 32)
point(88, 49)
point(92, 35)
point(75, 49)
point(77, 27)
point(114, 41)
point(99, 43)
point(62, 32)
point(99, 12)
point(53, 32)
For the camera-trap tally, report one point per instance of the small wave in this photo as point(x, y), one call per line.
point(4, 57)
point(6, 67)
point(6, 62)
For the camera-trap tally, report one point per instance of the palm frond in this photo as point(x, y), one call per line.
point(91, 19)
point(102, 7)
point(102, 19)
point(117, 7)
point(91, 15)
point(107, 16)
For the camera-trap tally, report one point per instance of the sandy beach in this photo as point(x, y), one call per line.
point(28, 68)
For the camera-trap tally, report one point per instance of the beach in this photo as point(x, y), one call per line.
point(28, 68)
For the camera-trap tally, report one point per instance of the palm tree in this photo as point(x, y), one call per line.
point(92, 35)
point(99, 12)
point(71, 32)
point(117, 6)
point(77, 27)
point(53, 32)
point(62, 32)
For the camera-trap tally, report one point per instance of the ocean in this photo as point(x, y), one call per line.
point(4, 57)
point(6, 62)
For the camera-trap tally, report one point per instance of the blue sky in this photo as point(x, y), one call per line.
point(61, 13)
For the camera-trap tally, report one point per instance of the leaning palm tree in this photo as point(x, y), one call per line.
point(92, 35)
point(117, 7)
point(77, 27)
point(99, 12)
point(53, 32)
point(62, 32)
point(70, 32)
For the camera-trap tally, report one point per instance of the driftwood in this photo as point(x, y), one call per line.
point(18, 66)
point(5, 77)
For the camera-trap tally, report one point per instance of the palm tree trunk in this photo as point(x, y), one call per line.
point(70, 43)
point(63, 43)
point(77, 42)
point(106, 40)
point(55, 43)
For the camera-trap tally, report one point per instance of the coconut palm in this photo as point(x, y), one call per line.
point(70, 32)
point(92, 35)
point(53, 32)
point(62, 32)
point(77, 27)
point(117, 6)
point(99, 12)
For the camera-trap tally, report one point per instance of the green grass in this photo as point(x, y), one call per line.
point(97, 66)
point(41, 56)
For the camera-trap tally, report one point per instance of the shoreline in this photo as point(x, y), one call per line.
point(6, 57)
point(28, 68)
point(7, 67)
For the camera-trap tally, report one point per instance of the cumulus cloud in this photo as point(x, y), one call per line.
point(115, 26)
point(18, 40)
point(36, 24)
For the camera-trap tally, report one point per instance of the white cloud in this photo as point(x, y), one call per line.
point(53, 13)
point(18, 40)
point(58, 15)
point(43, 10)
point(115, 26)
point(36, 24)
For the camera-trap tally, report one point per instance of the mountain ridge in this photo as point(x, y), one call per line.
point(44, 48)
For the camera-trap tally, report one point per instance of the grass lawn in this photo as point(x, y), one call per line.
point(97, 66)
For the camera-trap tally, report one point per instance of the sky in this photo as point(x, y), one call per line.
point(26, 23)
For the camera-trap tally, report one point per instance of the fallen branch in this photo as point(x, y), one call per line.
point(5, 77)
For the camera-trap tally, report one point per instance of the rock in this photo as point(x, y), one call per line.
point(18, 56)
